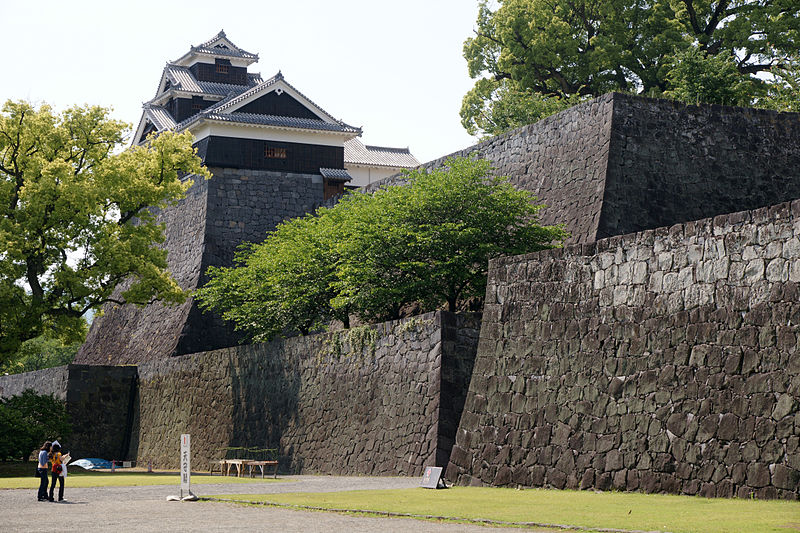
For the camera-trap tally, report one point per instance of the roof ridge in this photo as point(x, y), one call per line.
point(278, 121)
point(254, 89)
point(220, 35)
point(394, 149)
point(208, 46)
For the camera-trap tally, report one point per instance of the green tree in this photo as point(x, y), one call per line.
point(430, 240)
point(578, 49)
point(40, 353)
point(76, 218)
point(501, 105)
point(282, 284)
point(27, 420)
point(783, 94)
point(698, 77)
point(427, 241)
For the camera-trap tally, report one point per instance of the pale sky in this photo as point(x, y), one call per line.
point(394, 68)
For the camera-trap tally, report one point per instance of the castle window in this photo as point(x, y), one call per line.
point(274, 153)
point(222, 69)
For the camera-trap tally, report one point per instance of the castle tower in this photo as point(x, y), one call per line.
point(274, 154)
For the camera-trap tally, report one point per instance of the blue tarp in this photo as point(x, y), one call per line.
point(92, 463)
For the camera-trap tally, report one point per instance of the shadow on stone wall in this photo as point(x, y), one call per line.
point(265, 393)
point(377, 400)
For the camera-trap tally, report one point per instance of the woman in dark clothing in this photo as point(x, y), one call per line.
point(55, 460)
point(41, 471)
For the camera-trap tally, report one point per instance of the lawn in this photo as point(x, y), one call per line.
point(618, 510)
point(20, 476)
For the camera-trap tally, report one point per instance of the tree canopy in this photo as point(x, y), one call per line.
point(427, 241)
point(27, 420)
point(77, 218)
point(549, 53)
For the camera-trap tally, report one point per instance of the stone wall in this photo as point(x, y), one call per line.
point(370, 400)
point(48, 381)
point(613, 165)
point(203, 230)
point(98, 400)
point(561, 159)
point(670, 163)
point(662, 361)
point(622, 163)
point(242, 206)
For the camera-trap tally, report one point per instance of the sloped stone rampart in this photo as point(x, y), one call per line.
point(661, 361)
point(613, 165)
point(562, 159)
point(204, 229)
point(364, 401)
point(128, 334)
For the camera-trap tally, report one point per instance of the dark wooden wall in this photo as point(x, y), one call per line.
point(232, 152)
point(216, 72)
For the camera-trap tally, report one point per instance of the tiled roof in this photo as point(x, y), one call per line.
point(273, 80)
point(335, 174)
point(230, 95)
point(357, 153)
point(209, 110)
point(181, 78)
point(209, 47)
point(222, 52)
point(275, 120)
point(160, 117)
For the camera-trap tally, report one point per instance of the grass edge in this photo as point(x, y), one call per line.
point(392, 514)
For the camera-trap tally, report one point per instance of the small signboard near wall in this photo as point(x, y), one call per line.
point(432, 478)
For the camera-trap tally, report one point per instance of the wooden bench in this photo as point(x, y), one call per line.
point(261, 465)
point(225, 466)
point(239, 457)
point(218, 463)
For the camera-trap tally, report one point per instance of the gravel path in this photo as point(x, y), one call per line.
point(146, 509)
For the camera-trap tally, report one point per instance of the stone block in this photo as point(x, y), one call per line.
point(758, 475)
point(784, 477)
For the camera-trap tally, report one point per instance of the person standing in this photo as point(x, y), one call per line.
point(55, 460)
point(41, 470)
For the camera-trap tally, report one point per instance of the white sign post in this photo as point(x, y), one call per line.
point(186, 469)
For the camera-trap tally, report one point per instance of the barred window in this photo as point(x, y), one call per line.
point(274, 153)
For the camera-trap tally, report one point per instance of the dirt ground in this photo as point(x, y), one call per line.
point(146, 509)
